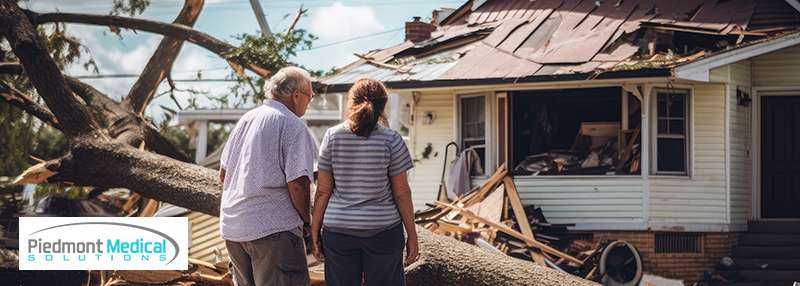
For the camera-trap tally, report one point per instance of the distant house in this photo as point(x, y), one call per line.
point(670, 124)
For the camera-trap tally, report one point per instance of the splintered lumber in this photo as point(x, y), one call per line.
point(490, 208)
point(487, 187)
point(446, 261)
point(516, 206)
point(529, 241)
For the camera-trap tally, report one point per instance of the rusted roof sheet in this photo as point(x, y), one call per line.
point(553, 37)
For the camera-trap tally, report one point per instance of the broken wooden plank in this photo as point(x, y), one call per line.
point(491, 207)
point(516, 206)
point(487, 186)
point(529, 241)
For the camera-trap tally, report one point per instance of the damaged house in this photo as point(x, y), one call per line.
point(674, 125)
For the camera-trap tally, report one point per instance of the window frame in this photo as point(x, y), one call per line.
point(488, 131)
point(655, 135)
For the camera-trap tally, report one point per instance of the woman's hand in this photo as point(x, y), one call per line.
point(412, 250)
point(316, 246)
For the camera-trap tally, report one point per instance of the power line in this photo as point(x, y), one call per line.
point(352, 39)
point(112, 76)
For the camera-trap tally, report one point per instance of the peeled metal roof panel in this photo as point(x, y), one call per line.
point(547, 37)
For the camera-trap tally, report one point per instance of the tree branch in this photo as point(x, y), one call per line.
point(204, 40)
point(161, 62)
point(42, 70)
point(124, 125)
point(300, 13)
point(20, 100)
point(10, 68)
point(102, 163)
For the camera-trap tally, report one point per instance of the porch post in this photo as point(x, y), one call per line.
point(201, 140)
point(645, 167)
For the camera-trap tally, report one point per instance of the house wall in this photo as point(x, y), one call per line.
point(739, 127)
point(426, 175)
point(699, 200)
point(591, 202)
point(205, 238)
point(780, 68)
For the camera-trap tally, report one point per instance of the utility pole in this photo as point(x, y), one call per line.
point(262, 20)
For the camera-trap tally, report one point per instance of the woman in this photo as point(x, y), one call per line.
point(363, 199)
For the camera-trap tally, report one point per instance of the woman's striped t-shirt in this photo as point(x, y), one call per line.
point(361, 168)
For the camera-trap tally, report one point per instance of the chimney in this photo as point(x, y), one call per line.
point(418, 31)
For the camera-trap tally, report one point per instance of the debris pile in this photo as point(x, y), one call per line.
point(198, 273)
point(608, 152)
point(493, 218)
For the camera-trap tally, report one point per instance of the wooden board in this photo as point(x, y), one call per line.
point(516, 206)
point(528, 241)
point(491, 207)
point(487, 186)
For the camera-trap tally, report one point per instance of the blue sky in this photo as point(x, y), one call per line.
point(332, 21)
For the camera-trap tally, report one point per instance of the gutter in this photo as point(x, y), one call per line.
point(657, 72)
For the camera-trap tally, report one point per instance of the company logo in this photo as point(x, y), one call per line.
point(99, 243)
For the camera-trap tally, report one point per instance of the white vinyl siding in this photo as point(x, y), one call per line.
point(613, 202)
point(204, 238)
point(740, 140)
point(426, 175)
point(780, 68)
point(700, 198)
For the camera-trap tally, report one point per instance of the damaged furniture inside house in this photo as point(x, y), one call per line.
point(594, 131)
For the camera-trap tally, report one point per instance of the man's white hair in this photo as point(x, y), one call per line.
point(286, 81)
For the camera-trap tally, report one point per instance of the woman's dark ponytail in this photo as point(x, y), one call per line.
point(367, 99)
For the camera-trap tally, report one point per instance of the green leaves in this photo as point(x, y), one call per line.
point(129, 7)
point(271, 52)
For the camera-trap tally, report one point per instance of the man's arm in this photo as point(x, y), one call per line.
point(299, 191)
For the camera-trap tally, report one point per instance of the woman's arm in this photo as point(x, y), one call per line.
point(402, 197)
point(324, 191)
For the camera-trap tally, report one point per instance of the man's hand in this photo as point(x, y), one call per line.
point(412, 250)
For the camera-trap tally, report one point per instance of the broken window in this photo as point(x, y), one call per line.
point(672, 124)
point(473, 130)
point(575, 132)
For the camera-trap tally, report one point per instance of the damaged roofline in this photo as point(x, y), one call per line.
point(656, 72)
point(700, 70)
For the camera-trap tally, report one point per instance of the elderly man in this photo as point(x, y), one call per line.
point(266, 168)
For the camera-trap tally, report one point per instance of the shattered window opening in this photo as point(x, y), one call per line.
point(574, 132)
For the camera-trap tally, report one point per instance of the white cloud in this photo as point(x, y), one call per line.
point(337, 22)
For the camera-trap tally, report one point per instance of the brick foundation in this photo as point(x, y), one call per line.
point(685, 266)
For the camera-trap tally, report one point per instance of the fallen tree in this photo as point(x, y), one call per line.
point(113, 146)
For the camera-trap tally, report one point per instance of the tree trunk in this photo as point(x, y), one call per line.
point(42, 70)
point(446, 261)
